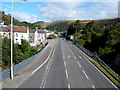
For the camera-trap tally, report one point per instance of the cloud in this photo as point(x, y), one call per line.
point(6, 11)
point(25, 17)
point(79, 10)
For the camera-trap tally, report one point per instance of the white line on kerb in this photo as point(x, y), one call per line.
point(93, 87)
point(66, 74)
point(64, 64)
point(79, 64)
point(101, 73)
point(85, 74)
point(75, 57)
point(42, 63)
point(69, 86)
point(96, 67)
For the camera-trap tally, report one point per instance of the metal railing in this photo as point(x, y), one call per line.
point(18, 67)
point(95, 57)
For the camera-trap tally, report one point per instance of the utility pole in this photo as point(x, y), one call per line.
point(11, 69)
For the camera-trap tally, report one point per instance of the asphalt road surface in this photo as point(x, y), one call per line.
point(67, 68)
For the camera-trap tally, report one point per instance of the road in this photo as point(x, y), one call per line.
point(68, 68)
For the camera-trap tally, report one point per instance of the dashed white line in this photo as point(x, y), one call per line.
point(42, 63)
point(79, 64)
point(100, 72)
point(95, 66)
point(66, 74)
point(72, 53)
point(80, 57)
point(69, 86)
point(75, 57)
point(63, 57)
point(85, 74)
point(64, 64)
point(68, 56)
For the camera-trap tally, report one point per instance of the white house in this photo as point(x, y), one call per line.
point(2, 26)
point(41, 36)
point(36, 37)
point(48, 32)
point(19, 33)
point(33, 37)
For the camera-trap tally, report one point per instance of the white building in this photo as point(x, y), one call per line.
point(36, 37)
point(19, 33)
point(33, 37)
point(2, 26)
point(41, 36)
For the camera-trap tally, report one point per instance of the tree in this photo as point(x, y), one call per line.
point(25, 46)
point(6, 52)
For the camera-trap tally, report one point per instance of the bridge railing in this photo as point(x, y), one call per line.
point(18, 67)
point(95, 57)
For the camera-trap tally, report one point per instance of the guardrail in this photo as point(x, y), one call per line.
point(18, 67)
point(95, 57)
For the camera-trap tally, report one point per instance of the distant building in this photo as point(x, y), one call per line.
point(2, 26)
point(41, 36)
point(33, 37)
point(36, 37)
point(18, 32)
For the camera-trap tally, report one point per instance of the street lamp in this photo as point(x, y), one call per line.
point(11, 68)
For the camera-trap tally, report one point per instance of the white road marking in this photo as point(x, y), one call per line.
point(64, 64)
point(69, 86)
point(80, 57)
point(101, 73)
point(75, 57)
point(47, 70)
point(66, 74)
point(72, 53)
point(79, 64)
point(96, 67)
point(93, 87)
point(85, 74)
point(68, 56)
point(42, 63)
point(63, 57)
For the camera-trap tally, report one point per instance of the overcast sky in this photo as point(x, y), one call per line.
point(62, 10)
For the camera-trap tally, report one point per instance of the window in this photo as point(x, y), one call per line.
point(16, 35)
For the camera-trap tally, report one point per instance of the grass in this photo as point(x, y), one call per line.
point(107, 72)
point(39, 47)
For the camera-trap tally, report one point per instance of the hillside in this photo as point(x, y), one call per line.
point(63, 25)
point(102, 37)
point(7, 21)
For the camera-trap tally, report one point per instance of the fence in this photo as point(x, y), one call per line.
point(95, 57)
point(18, 67)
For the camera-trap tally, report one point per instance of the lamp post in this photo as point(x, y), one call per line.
point(11, 68)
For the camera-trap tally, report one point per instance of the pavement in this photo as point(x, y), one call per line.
point(66, 67)
point(27, 71)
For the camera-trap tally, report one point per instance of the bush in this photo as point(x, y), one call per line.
point(80, 42)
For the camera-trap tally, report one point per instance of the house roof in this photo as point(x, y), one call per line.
point(41, 31)
point(32, 30)
point(15, 29)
